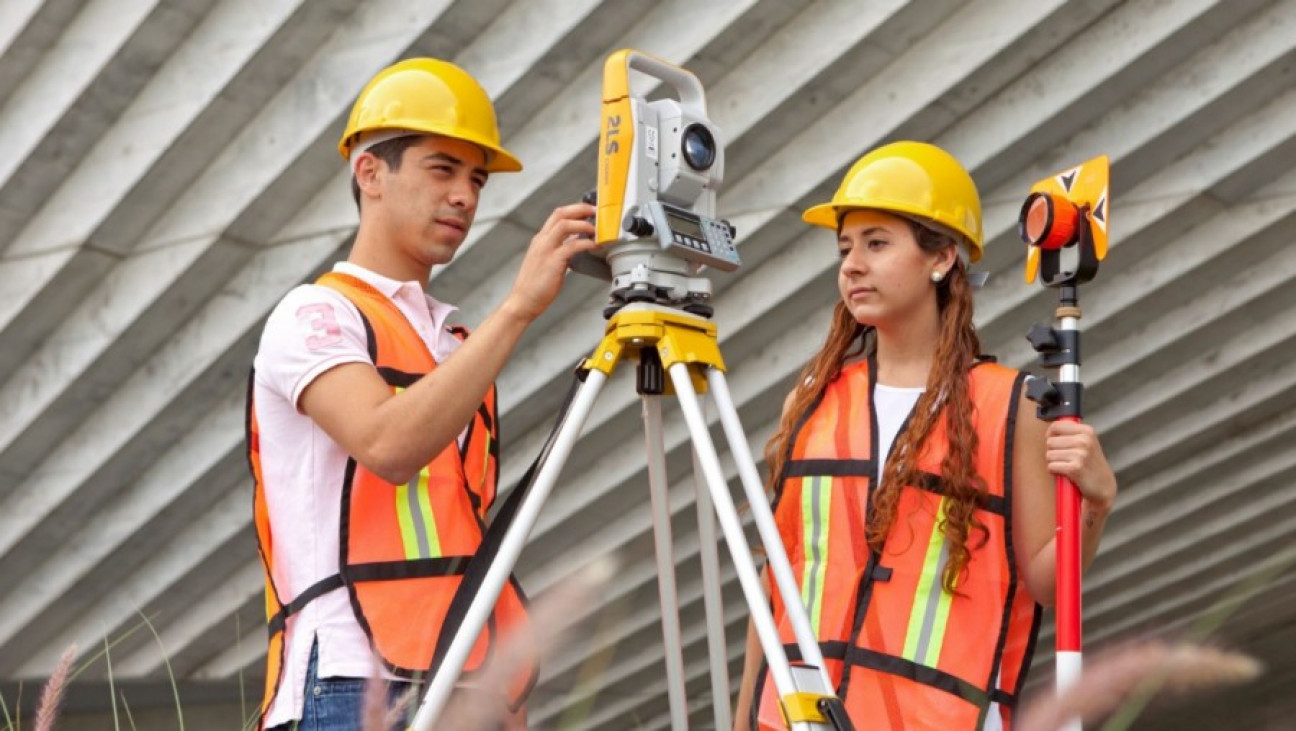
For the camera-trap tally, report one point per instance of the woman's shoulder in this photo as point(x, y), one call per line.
point(991, 376)
point(987, 366)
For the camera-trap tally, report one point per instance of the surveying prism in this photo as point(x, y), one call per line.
point(1064, 224)
point(659, 164)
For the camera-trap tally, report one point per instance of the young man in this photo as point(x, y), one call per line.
point(372, 427)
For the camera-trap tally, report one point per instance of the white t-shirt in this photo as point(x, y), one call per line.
point(313, 329)
point(892, 405)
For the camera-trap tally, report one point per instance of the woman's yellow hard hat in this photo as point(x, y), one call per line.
point(913, 179)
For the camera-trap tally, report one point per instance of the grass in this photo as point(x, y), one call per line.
point(1201, 630)
point(126, 707)
point(112, 689)
point(10, 722)
point(64, 674)
point(1118, 686)
point(175, 689)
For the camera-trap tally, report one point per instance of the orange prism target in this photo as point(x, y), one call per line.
point(1064, 223)
point(1050, 221)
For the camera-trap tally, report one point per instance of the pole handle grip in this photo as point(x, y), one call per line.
point(1069, 559)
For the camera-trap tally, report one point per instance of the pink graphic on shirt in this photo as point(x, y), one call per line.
point(320, 319)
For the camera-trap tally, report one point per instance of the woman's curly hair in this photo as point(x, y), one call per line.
point(946, 395)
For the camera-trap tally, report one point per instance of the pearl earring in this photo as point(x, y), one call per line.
point(937, 276)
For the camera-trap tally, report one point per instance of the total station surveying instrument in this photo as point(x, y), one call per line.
point(1064, 224)
point(659, 163)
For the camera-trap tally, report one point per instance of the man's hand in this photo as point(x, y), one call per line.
point(566, 233)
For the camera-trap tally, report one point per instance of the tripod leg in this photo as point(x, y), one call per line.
point(661, 515)
point(717, 644)
point(780, 569)
point(483, 604)
point(781, 670)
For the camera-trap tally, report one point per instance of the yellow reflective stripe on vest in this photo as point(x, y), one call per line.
point(816, 500)
point(931, 606)
point(414, 513)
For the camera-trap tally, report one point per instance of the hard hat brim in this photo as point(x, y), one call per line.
point(829, 215)
point(498, 160)
point(824, 215)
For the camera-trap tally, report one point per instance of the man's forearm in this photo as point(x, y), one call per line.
point(414, 426)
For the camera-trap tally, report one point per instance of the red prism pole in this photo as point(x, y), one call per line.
point(1064, 223)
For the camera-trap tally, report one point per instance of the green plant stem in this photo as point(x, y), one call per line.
point(129, 716)
point(9, 724)
point(112, 689)
point(175, 689)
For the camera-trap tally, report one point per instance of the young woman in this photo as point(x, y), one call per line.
point(913, 484)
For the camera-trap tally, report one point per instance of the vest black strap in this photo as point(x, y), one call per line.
point(835, 650)
point(398, 378)
point(312, 592)
point(415, 568)
point(420, 568)
point(893, 665)
point(828, 468)
point(990, 503)
point(939, 679)
point(487, 419)
point(864, 468)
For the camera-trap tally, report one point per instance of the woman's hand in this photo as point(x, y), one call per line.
point(1072, 451)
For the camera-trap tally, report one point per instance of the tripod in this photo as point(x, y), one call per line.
point(669, 341)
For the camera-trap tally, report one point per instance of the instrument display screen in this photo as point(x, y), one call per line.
point(686, 226)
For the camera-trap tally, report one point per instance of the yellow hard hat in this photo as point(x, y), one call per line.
point(429, 96)
point(912, 179)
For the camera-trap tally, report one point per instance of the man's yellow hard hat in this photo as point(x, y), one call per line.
point(427, 95)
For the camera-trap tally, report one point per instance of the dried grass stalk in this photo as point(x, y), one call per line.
point(1149, 667)
point(55, 687)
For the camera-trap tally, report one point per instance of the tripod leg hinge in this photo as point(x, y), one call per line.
point(834, 709)
point(806, 707)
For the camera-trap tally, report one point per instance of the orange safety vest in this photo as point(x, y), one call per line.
point(902, 652)
point(404, 548)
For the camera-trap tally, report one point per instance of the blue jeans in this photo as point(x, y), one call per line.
point(335, 704)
